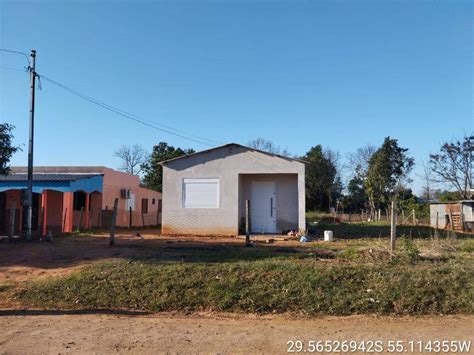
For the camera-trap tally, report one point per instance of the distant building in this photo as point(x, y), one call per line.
point(205, 193)
point(458, 215)
point(65, 198)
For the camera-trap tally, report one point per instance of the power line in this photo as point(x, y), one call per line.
point(14, 69)
point(16, 52)
point(130, 116)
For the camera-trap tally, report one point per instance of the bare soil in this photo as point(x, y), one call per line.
point(21, 261)
point(29, 331)
point(36, 333)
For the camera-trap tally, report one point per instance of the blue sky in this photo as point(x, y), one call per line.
point(299, 73)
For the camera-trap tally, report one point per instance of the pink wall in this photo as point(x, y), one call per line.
point(52, 204)
point(114, 181)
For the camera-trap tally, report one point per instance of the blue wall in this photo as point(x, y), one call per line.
point(89, 185)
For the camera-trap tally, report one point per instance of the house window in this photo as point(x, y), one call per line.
point(79, 201)
point(201, 193)
point(153, 201)
point(144, 205)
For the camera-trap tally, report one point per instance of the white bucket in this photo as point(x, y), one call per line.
point(328, 236)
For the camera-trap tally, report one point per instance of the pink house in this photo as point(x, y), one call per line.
point(66, 198)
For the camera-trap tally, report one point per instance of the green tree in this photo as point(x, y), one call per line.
point(447, 196)
point(408, 202)
point(388, 167)
point(7, 149)
point(356, 198)
point(321, 179)
point(153, 178)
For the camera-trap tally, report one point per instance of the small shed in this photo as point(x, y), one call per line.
point(205, 193)
point(457, 215)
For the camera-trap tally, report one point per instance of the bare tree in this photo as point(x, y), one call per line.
point(268, 146)
point(358, 162)
point(133, 157)
point(427, 191)
point(452, 165)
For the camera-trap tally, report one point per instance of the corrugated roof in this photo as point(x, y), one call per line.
point(59, 169)
point(47, 176)
point(233, 144)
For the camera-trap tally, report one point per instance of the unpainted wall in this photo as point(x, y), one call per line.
point(226, 164)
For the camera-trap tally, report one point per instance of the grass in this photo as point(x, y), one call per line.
point(350, 276)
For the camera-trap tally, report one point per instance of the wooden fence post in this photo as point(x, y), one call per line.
point(11, 229)
point(247, 223)
point(437, 225)
point(451, 222)
point(41, 222)
point(393, 226)
point(112, 227)
point(143, 220)
point(106, 222)
point(130, 217)
point(403, 216)
point(414, 217)
point(99, 218)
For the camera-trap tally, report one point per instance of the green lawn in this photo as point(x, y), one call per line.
point(341, 278)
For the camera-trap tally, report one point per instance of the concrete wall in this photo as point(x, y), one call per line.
point(225, 163)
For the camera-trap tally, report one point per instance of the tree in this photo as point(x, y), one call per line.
point(358, 165)
point(452, 165)
point(358, 162)
point(7, 149)
point(356, 199)
point(153, 178)
point(388, 167)
point(321, 179)
point(428, 180)
point(268, 146)
point(133, 158)
point(447, 196)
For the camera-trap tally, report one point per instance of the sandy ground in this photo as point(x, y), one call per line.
point(32, 333)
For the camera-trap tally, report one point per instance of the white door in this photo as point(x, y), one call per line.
point(263, 207)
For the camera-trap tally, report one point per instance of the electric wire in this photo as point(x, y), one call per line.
point(130, 116)
point(16, 52)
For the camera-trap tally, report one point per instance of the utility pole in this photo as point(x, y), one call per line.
point(471, 181)
point(29, 216)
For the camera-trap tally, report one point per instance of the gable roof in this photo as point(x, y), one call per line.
point(229, 145)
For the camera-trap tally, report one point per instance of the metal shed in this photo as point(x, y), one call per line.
point(457, 215)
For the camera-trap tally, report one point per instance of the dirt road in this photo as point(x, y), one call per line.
point(38, 332)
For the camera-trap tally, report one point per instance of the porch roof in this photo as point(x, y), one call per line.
point(63, 182)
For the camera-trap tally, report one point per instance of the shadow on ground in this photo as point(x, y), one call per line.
point(47, 312)
point(70, 251)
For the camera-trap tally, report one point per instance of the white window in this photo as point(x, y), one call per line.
point(201, 193)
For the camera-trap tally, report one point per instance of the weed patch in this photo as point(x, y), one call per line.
point(277, 285)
